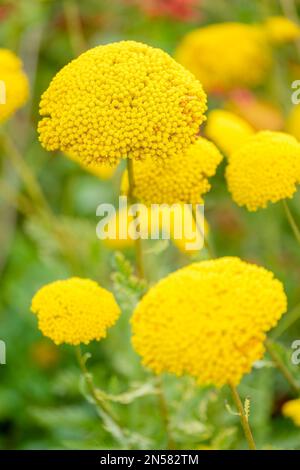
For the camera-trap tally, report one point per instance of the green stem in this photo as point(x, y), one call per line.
point(291, 221)
point(74, 25)
point(165, 415)
point(243, 417)
point(282, 367)
point(287, 321)
point(99, 399)
point(138, 241)
point(28, 178)
point(39, 202)
point(290, 11)
point(207, 243)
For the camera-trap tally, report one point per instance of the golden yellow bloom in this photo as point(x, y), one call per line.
point(293, 122)
point(14, 87)
point(265, 169)
point(182, 179)
point(281, 30)
point(208, 320)
point(291, 409)
point(74, 311)
point(121, 100)
point(227, 130)
point(226, 55)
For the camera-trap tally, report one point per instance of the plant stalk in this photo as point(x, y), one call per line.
point(138, 241)
point(243, 417)
point(291, 221)
point(282, 367)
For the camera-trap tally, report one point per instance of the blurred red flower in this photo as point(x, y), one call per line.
point(5, 10)
point(177, 9)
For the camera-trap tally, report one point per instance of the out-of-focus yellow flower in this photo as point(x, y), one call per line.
point(293, 122)
point(291, 409)
point(265, 169)
point(118, 228)
point(208, 320)
point(227, 130)
point(122, 100)
point(74, 311)
point(14, 87)
point(281, 30)
point(226, 56)
point(184, 178)
point(163, 221)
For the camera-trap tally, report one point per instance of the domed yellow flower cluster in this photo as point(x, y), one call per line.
point(265, 169)
point(281, 30)
point(226, 55)
point(74, 311)
point(182, 179)
point(208, 320)
point(122, 100)
point(227, 130)
point(291, 409)
point(14, 87)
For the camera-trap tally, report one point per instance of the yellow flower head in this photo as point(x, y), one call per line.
point(227, 130)
point(226, 55)
point(121, 100)
point(14, 88)
point(182, 179)
point(208, 320)
point(293, 122)
point(281, 30)
point(74, 311)
point(265, 169)
point(291, 409)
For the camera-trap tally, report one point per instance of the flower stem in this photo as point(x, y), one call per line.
point(28, 178)
point(243, 417)
point(74, 25)
point(207, 243)
point(165, 414)
point(291, 221)
point(290, 11)
point(282, 367)
point(39, 203)
point(109, 419)
point(138, 241)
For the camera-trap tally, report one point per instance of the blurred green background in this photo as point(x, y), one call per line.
point(42, 402)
